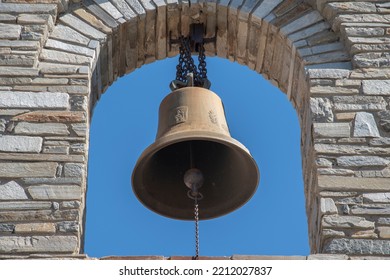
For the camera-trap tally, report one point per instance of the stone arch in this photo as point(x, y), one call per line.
point(74, 56)
point(279, 39)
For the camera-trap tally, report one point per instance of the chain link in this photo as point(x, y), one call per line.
point(187, 65)
point(196, 229)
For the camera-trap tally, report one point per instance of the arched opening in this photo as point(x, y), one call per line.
point(273, 222)
point(281, 40)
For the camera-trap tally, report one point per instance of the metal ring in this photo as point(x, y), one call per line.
point(199, 196)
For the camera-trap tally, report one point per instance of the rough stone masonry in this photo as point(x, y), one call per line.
point(331, 58)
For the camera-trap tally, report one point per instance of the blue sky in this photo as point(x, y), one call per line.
point(124, 123)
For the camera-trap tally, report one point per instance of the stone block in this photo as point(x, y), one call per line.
point(53, 192)
point(41, 157)
point(358, 103)
point(376, 87)
point(334, 171)
point(41, 128)
point(70, 48)
point(323, 162)
point(51, 116)
point(265, 8)
point(99, 20)
point(7, 18)
point(64, 57)
point(32, 19)
point(127, 12)
point(68, 226)
point(365, 234)
point(321, 109)
point(350, 149)
point(38, 244)
point(321, 49)
point(18, 71)
point(377, 197)
point(9, 143)
point(15, 8)
point(70, 204)
point(384, 232)
point(75, 89)
point(356, 199)
point(357, 247)
point(328, 206)
point(330, 57)
point(77, 148)
point(55, 150)
point(79, 103)
point(109, 8)
point(13, 81)
point(82, 27)
point(365, 125)
point(383, 221)
point(336, 221)
point(35, 228)
point(19, 59)
point(67, 34)
point(10, 31)
point(74, 170)
point(50, 100)
point(328, 73)
point(353, 183)
point(8, 228)
point(330, 130)
point(52, 181)
point(370, 73)
point(383, 141)
point(334, 8)
point(326, 233)
point(25, 205)
point(371, 209)
point(30, 169)
point(12, 191)
point(80, 129)
point(360, 161)
point(337, 194)
point(372, 59)
point(304, 21)
point(327, 257)
point(50, 81)
point(55, 68)
point(384, 120)
point(330, 65)
point(364, 31)
point(348, 83)
point(38, 215)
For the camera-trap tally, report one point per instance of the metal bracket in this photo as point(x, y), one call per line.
point(196, 37)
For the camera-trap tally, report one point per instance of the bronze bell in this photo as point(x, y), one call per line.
point(193, 141)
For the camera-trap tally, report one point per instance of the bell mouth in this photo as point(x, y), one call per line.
point(231, 175)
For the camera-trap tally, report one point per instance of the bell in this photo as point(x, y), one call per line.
point(194, 156)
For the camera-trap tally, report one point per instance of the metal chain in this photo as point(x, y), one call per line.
point(202, 63)
point(196, 229)
point(187, 65)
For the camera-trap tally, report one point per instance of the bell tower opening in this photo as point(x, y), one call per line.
point(273, 222)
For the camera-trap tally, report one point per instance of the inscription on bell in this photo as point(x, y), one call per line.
point(213, 117)
point(179, 115)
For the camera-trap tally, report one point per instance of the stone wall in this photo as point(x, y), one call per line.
point(329, 57)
